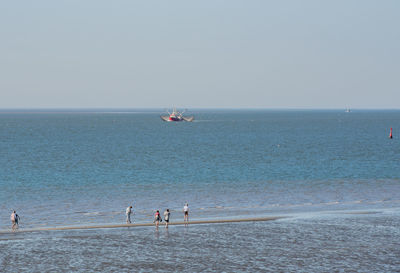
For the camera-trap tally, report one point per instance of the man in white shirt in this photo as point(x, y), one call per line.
point(186, 213)
point(166, 217)
point(128, 214)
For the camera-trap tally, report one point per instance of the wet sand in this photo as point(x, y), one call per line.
point(148, 224)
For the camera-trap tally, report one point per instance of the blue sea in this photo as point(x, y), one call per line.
point(334, 176)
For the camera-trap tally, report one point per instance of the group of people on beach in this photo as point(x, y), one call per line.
point(158, 218)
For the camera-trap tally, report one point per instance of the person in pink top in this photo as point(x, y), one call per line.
point(157, 218)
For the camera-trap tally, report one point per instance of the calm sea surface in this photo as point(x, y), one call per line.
point(335, 174)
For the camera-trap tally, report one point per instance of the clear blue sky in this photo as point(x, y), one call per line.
point(262, 54)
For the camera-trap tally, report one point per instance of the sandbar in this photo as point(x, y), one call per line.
point(197, 222)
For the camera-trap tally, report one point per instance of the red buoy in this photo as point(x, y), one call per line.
point(390, 136)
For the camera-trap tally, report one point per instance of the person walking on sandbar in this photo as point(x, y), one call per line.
point(157, 218)
point(166, 217)
point(14, 220)
point(186, 213)
point(128, 214)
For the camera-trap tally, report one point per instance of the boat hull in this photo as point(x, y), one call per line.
point(169, 119)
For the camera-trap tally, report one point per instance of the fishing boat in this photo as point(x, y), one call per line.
point(176, 115)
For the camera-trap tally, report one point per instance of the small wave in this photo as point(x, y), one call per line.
point(117, 212)
point(206, 120)
point(92, 213)
point(330, 203)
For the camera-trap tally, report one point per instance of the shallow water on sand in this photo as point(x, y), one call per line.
point(317, 243)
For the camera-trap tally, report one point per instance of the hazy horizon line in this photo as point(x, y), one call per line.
point(119, 109)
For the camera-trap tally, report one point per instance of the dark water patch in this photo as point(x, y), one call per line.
point(362, 212)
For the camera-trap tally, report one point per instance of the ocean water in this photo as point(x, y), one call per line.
point(329, 172)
